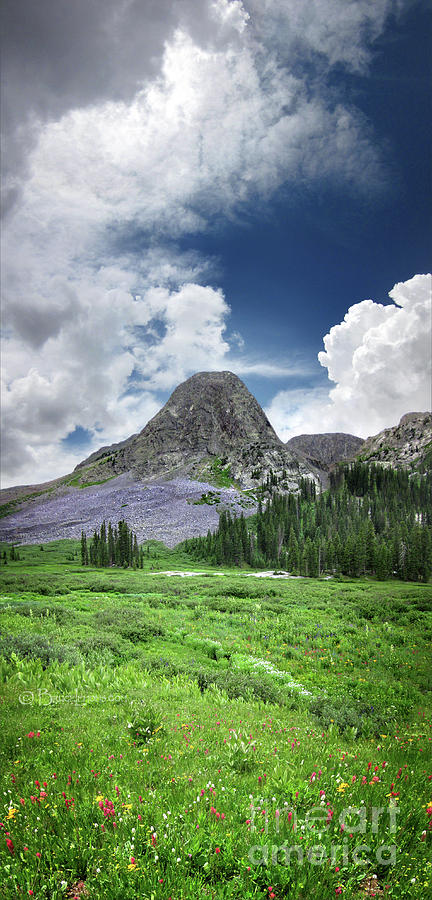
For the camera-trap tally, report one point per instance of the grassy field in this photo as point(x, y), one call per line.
point(211, 737)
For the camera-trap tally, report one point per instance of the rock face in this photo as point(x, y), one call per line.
point(210, 426)
point(408, 444)
point(324, 450)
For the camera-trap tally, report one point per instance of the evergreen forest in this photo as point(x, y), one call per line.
point(372, 520)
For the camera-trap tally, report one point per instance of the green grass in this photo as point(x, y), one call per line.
point(7, 508)
point(216, 472)
point(76, 481)
point(193, 704)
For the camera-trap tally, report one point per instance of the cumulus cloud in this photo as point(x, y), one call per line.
point(81, 375)
point(98, 303)
point(379, 359)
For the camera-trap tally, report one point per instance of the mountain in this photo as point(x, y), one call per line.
point(408, 444)
point(204, 450)
point(211, 428)
point(324, 450)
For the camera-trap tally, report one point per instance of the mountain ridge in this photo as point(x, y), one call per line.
point(325, 449)
point(209, 448)
point(408, 444)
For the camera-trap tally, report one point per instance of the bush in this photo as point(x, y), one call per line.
point(103, 643)
point(38, 610)
point(347, 714)
point(36, 646)
point(130, 623)
point(238, 684)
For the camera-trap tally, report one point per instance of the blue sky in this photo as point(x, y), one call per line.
point(213, 185)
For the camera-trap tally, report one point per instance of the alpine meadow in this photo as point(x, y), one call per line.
point(216, 495)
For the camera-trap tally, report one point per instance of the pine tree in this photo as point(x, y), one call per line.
point(84, 550)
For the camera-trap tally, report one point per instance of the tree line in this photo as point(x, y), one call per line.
point(371, 521)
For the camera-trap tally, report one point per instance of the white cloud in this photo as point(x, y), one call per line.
point(379, 358)
point(222, 125)
point(80, 376)
point(337, 31)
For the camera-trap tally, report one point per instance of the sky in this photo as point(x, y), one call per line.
point(204, 185)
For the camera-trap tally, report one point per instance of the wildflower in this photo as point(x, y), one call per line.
point(217, 849)
point(10, 846)
point(341, 789)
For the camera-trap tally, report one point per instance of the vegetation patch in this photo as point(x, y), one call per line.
point(163, 735)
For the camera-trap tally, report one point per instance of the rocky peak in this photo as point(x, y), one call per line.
point(210, 419)
point(324, 450)
point(408, 444)
point(211, 411)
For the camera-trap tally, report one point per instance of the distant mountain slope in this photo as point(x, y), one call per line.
point(408, 444)
point(323, 450)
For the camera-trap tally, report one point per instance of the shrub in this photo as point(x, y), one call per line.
point(36, 646)
point(38, 610)
point(350, 716)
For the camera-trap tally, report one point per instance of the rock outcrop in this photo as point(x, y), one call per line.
point(408, 444)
